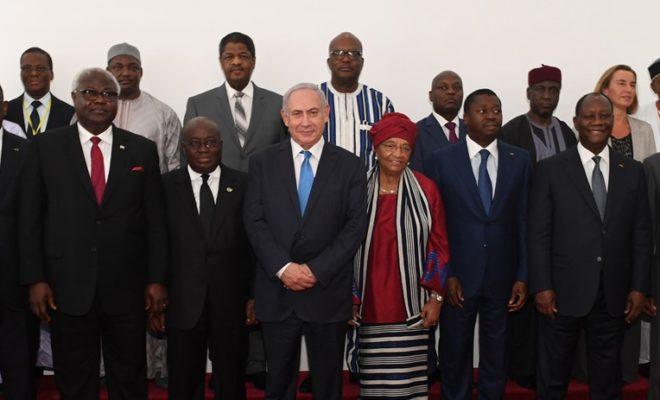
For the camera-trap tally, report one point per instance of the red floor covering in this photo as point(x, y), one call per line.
point(576, 391)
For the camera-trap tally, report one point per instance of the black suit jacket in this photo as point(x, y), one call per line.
point(82, 250)
point(325, 237)
point(60, 115)
point(220, 268)
point(518, 133)
point(430, 137)
point(12, 295)
point(570, 248)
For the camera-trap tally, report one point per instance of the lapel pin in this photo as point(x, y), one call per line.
point(620, 165)
point(511, 154)
point(121, 146)
point(230, 189)
point(17, 149)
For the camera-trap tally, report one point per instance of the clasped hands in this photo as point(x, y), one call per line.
point(298, 277)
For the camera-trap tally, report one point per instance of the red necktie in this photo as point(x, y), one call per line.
point(452, 132)
point(98, 170)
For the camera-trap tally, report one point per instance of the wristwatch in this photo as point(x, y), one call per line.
point(435, 295)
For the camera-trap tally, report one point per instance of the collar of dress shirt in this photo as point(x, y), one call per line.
point(474, 148)
point(586, 155)
point(248, 91)
point(27, 99)
point(86, 136)
point(215, 174)
point(442, 121)
point(316, 150)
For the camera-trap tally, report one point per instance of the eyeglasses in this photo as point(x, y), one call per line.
point(41, 69)
point(391, 147)
point(210, 144)
point(91, 94)
point(352, 54)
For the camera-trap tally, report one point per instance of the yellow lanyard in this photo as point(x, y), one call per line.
point(42, 121)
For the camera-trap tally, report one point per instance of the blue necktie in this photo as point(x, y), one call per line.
point(305, 182)
point(484, 184)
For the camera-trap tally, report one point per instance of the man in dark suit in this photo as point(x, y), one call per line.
point(94, 255)
point(37, 110)
point(305, 215)
point(542, 135)
point(589, 249)
point(443, 126)
point(484, 184)
point(652, 165)
point(210, 268)
point(248, 116)
point(17, 352)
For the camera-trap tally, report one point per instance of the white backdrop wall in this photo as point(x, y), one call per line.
point(489, 43)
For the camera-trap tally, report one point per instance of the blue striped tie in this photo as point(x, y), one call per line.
point(305, 182)
point(484, 184)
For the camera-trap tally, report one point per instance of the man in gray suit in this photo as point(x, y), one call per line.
point(249, 120)
point(652, 166)
point(248, 116)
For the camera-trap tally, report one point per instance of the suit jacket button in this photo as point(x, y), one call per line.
point(485, 245)
point(93, 248)
point(98, 222)
point(599, 259)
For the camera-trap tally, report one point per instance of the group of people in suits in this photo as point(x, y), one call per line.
point(273, 221)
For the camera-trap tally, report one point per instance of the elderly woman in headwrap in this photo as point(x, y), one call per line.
point(399, 268)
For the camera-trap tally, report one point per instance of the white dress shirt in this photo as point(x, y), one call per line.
point(246, 100)
point(442, 121)
point(298, 159)
point(196, 181)
point(13, 128)
point(43, 110)
point(588, 163)
point(105, 145)
point(1, 134)
point(475, 160)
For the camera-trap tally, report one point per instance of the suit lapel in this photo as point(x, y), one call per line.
point(323, 173)
point(185, 191)
point(504, 175)
point(229, 128)
point(575, 170)
point(258, 107)
point(461, 162)
point(118, 163)
point(53, 113)
point(288, 175)
point(462, 129)
point(77, 159)
point(225, 194)
point(614, 191)
point(21, 116)
point(435, 131)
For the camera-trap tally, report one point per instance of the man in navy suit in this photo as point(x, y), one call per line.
point(443, 126)
point(484, 184)
point(305, 215)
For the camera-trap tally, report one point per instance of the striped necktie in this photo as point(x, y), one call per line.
point(240, 119)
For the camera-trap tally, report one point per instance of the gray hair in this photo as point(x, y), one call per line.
point(303, 86)
point(88, 72)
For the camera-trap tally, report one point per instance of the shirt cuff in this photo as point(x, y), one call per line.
point(281, 271)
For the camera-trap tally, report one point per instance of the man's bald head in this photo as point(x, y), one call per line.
point(345, 36)
point(200, 123)
point(446, 94)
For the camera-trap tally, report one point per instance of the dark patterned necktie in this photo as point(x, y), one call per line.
point(35, 119)
point(240, 119)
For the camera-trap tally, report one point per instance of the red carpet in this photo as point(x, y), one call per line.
point(576, 391)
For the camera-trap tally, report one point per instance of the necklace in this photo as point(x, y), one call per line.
point(388, 191)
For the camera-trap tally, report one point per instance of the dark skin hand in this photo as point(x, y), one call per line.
point(41, 297)
point(545, 303)
point(156, 322)
point(635, 306)
point(650, 307)
point(155, 298)
point(518, 296)
point(454, 292)
point(250, 315)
